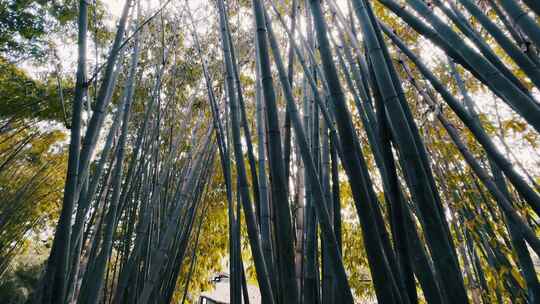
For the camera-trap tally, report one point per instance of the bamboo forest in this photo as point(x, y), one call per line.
point(269, 151)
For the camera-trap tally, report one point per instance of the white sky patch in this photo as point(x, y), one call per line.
point(115, 8)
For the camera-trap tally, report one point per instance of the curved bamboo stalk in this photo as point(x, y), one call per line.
point(521, 185)
point(435, 229)
point(475, 63)
point(466, 28)
point(525, 63)
point(529, 26)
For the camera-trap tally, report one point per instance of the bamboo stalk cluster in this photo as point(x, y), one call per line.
point(342, 113)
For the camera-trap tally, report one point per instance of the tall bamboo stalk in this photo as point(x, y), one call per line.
point(253, 231)
point(53, 285)
point(436, 232)
point(284, 232)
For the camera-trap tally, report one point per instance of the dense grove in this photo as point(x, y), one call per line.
point(334, 151)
